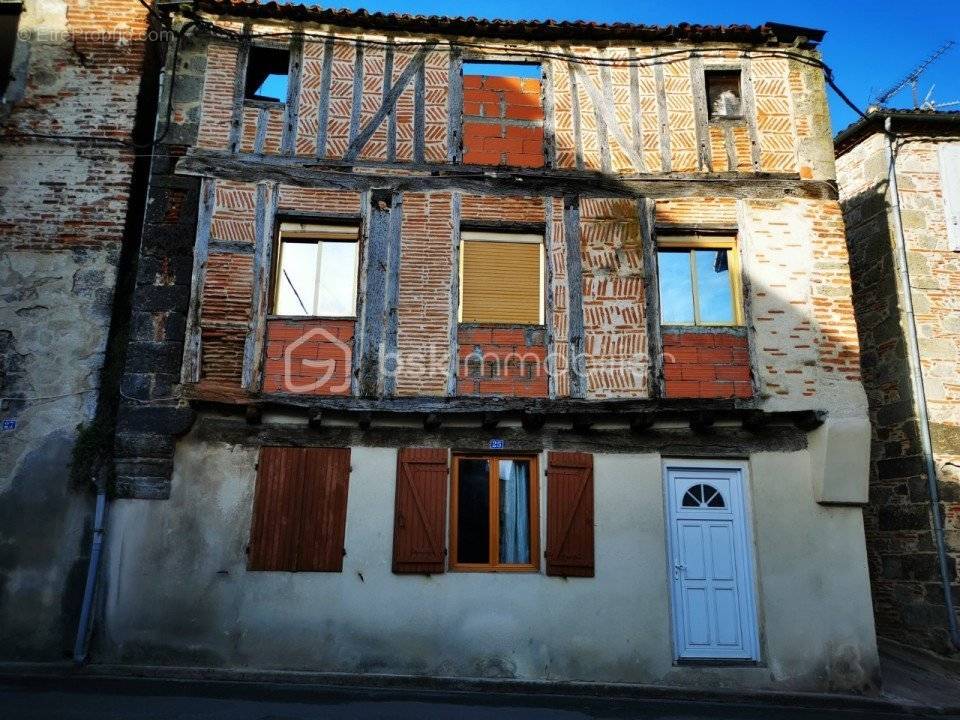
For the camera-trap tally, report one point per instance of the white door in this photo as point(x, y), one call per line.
point(710, 562)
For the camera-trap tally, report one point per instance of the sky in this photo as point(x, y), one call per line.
point(869, 45)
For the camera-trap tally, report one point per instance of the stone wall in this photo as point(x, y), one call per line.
point(67, 207)
point(908, 595)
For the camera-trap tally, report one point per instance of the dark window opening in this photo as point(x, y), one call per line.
point(9, 22)
point(267, 70)
point(473, 513)
point(724, 95)
point(494, 521)
point(703, 496)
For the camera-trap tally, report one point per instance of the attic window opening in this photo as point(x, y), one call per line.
point(724, 94)
point(267, 74)
point(503, 114)
point(502, 69)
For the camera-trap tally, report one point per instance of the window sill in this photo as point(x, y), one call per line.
point(499, 326)
point(730, 329)
point(311, 318)
point(494, 569)
point(268, 104)
point(716, 662)
point(721, 119)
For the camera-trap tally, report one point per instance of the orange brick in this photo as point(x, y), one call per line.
point(519, 112)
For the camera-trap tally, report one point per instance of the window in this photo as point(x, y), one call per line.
point(699, 281)
point(501, 278)
point(300, 510)
point(9, 21)
point(703, 496)
point(723, 94)
point(503, 114)
point(315, 273)
point(494, 513)
point(267, 70)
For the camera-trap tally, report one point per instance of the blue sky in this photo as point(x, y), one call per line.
point(870, 45)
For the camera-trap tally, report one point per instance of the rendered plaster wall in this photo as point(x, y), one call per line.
point(63, 207)
point(178, 592)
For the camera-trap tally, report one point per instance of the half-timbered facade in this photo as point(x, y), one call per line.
point(496, 349)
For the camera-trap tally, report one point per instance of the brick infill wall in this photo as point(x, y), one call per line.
point(310, 356)
point(706, 365)
point(502, 121)
point(508, 361)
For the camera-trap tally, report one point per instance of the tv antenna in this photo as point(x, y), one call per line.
point(913, 77)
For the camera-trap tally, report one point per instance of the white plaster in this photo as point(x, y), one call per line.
point(178, 591)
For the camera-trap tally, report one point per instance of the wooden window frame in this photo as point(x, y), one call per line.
point(696, 242)
point(321, 232)
point(494, 510)
point(468, 236)
point(719, 69)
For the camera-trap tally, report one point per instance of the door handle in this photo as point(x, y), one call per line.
point(677, 569)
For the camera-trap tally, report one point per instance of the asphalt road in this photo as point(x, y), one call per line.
point(181, 700)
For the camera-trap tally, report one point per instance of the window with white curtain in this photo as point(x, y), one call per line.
point(493, 521)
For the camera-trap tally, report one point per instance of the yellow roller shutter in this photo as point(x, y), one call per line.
point(501, 282)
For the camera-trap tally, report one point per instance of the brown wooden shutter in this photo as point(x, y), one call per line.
point(276, 510)
point(299, 509)
point(419, 527)
point(323, 518)
point(570, 514)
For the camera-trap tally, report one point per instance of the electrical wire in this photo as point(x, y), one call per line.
point(491, 51)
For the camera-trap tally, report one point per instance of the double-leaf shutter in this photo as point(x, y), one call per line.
point(420, 513)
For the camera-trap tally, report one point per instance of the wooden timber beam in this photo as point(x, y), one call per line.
point(418, 177)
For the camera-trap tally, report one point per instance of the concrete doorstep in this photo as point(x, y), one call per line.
point(307, 685)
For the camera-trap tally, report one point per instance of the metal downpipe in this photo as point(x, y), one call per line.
point(96, 548)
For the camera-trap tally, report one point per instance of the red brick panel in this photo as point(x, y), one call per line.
point(614, 321)
point(217, 105)
point(507, 361)
point(310, 356)
point(706, 365)
point(839, 347)
point(221, 359)
point(224, 317)
point(423, 310)
point(233, 215)
point(502, 121)
point(319, 200)
point(228, 289)
point(697, 211)
point(521, 209)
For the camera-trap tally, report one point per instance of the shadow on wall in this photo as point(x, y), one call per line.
point(907, 590)
point(44, 542)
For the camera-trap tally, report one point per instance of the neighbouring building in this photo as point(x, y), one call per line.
point(910, 566)
point(490, 349)
point(70, 77)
